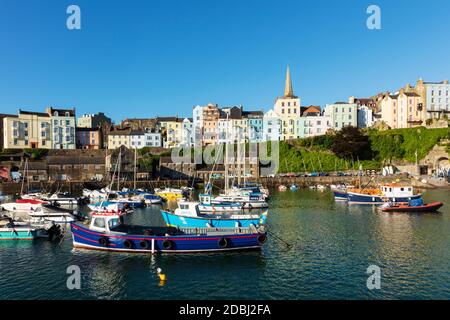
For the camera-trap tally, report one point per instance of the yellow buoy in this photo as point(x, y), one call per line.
point(162, 276)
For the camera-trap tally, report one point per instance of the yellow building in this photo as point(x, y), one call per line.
point(403, 109)
point(27, 130)
point(117, 138)
point(288, 108)
point(172, 131)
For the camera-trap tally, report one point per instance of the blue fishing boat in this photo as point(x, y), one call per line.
point(293, 187)
point(188, 215)
point(340, 195)
point(109, 233)
point(387, 193)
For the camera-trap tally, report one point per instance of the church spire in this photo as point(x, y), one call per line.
point(288, 92)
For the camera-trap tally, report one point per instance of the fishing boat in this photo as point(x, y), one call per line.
point(393, 192)
point(109, 233)
point(189, 215)
point(293, 187)
point(415, 205)
point(282, 187)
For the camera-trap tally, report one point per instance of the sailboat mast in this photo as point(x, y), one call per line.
point(119, 164)
point(226, 158)
point(135, 156)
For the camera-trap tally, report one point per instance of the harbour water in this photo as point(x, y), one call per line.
point(332, 245)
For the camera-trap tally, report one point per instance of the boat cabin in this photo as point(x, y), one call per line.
point(187, 208)
point(397, 191)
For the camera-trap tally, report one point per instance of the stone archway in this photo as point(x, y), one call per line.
point(443, 163)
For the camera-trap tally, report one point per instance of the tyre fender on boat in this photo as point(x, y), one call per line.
point(168, 244)
point(143, 244)
point(104, 241)
point(262, 238)
point(223, 242)
point(128, 244)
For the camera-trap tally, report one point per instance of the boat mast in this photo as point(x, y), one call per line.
point(226, 158)
point(119, 163)
point(25, 165)
point(135, 156)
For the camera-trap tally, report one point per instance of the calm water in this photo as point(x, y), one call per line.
point(332, 246)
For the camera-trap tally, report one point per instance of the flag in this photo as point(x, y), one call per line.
point(4, 173)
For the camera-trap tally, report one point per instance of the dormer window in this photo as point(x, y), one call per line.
point(55, 113)
point(67, 114)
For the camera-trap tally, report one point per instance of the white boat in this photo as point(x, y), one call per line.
point(96, 194)
point(206, 205)
point(248, 200)
point(61, 199)
point(53, 214)
point(109, 207)
point(282, 187)
point(321, 187)
point(22, 205)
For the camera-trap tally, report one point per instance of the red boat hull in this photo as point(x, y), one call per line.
point(429, 207)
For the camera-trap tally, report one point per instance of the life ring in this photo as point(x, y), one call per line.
point(262, 238)
point(104, 241)
point(143, 244)
point(128, 244)
point(223, 243)
point(167, 244)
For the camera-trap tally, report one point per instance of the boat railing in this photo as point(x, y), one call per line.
point(218, 231)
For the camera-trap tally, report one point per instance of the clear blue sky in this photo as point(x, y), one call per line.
point(147, 58)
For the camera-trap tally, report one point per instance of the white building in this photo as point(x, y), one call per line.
point(187, 133)
point(63, 128)
point(365, 117)
point(310, 126)
point(197, 125)
point(342, 114)
point(435, 96)
point(271, 126)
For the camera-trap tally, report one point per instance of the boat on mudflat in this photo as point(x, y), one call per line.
point(188, 215)
point(109, 233)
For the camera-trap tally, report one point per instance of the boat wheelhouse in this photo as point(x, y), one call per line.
point(109, 233)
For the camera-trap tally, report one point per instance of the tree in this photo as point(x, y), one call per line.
point(351, 143)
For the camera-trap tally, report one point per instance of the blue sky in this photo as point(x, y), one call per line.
point(143, 58)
